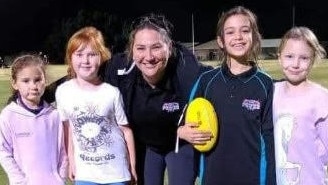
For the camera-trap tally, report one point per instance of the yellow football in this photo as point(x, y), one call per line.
point(201, 111)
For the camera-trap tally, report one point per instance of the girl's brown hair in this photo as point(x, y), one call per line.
point(256, 36)
point(22, 62)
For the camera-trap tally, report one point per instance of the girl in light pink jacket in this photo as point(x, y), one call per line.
point(31, 137)
point(300, 113)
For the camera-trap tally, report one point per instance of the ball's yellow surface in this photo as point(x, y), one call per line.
point(201, 111)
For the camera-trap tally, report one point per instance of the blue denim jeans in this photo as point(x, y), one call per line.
point(93, 183)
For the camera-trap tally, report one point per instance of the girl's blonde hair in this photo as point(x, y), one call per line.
point(305, 34)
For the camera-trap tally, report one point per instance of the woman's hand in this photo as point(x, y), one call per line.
point(190, 133)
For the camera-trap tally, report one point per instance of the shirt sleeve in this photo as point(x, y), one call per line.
point(321, 124)
point(268, 138)
point(63, 158)
point(60, 99)
point(120, 115)
point(7, 160)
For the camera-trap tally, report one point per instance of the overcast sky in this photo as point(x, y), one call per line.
point(25, 23)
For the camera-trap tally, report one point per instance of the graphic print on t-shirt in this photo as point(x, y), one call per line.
point(288, 172)
point(91, 130)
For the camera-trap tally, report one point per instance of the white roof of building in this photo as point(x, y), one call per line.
point(207, 45)
point(265, 43)
point(270, 43)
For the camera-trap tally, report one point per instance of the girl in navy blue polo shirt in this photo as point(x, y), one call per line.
point(242, 97)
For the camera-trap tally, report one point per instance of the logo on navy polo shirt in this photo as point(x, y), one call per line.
point(251, 104)
point(170, 107)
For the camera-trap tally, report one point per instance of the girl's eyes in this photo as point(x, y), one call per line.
point(229, 32)
point(232, 31)
point(27, 80)
point(93, 54)
point(302, 57)
point(246, 31)
point(87, 54)
point(38, 79)
point(288, 56)
point(305, 58)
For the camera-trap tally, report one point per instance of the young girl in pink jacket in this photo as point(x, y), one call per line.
point(300, 112)
point(32, 150)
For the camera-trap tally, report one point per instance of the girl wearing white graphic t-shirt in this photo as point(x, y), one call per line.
point(100, 142)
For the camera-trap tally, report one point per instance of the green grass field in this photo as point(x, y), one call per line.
point(319, 74)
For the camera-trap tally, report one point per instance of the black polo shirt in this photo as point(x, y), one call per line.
point(155, 112)
point(148, 108)
point(244, 152)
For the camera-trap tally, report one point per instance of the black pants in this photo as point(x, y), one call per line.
point(181, 167)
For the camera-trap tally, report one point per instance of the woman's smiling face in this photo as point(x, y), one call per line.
point(150, 53)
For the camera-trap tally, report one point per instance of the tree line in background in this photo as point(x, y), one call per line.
point(114, 29)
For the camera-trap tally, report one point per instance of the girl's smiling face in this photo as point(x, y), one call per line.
point(86, 62)
point(237, 37)
point(296, 59)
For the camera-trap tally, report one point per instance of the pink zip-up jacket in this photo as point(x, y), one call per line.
point(32, 148)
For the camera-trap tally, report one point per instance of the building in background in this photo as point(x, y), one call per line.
point(208, 51)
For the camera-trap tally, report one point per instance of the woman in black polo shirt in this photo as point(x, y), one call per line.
point(155, 77)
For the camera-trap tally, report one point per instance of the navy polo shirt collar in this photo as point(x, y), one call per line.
point(163, 84)
point(244, 77)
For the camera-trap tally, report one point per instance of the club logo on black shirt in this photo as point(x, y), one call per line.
point(171, 106)
point(251, 105)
